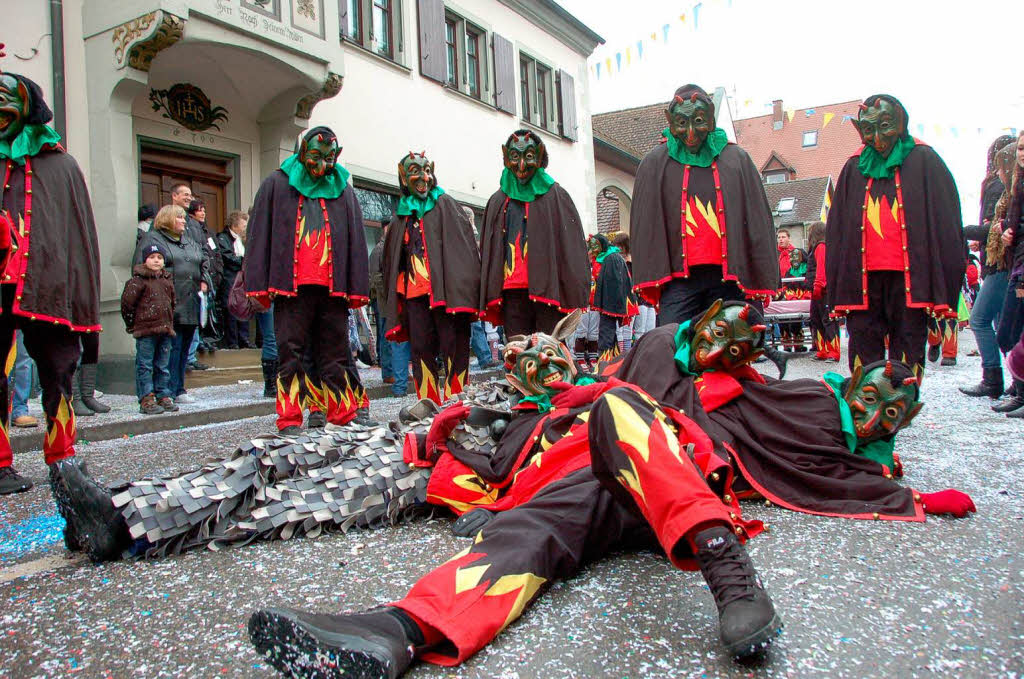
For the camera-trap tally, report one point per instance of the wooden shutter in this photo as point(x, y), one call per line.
point(343, 18)
point(433, 58)
point(504, 74)
point(567, 101)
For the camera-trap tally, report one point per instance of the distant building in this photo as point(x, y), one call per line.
point(799, 203)
point(800, 146)
point(621, 140)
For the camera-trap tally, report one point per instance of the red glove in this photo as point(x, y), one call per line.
point(948, 501)
point(897, 466)
point(442, 427)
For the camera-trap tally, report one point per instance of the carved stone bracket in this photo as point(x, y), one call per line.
point(332, 85)
point(136, 42)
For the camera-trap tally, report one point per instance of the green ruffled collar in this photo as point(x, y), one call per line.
point(709, 150)
point(29, 142)
point(537, 186)
point(543, 401)
point(600, 257)
point(798, 270)
point(682, 355)
point(413, 204)
point(331, 186)
point(881, 451)
point(872, 164)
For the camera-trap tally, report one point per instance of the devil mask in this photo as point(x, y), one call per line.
point(318, 153)
point(524, 154)
point(883, 398)
point(882, 121)
point(534, 365)
point(726, 336)
point(691, 117)
point(416, 175)
point(597, 244)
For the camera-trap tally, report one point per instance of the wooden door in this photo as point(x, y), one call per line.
point(207, 177)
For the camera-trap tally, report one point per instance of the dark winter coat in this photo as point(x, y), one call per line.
point(232, 262)
point(187, 266)
point(147, 303)
point(214, 263)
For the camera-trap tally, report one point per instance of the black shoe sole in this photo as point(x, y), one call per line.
point(295, 652)
point(757, 642)
point(27, 485)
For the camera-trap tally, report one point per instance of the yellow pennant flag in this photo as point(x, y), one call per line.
point(682, 17)
point(628, 57)
point(608, 65)
point(654, 36)
point(828, 119)
point(789, 114)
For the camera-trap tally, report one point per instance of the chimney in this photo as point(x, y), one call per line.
point(777, 114)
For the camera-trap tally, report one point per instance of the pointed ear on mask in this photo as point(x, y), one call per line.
point(504, 153)
point(566, 327)
point(26, 99)
point(516, 383)
point(854, 381)
point(712, 311)
point(912, 414)
point(542, 154)
point(403, 177)
point(856, 124)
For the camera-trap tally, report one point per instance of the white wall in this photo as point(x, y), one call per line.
point(384, 111)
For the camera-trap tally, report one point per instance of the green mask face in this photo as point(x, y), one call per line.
point(690, 121)
point(319, 155)
point(879, 407)
point(14, 104)
point(416, 173)
point(594, 246)
point(536, 363)
point(724, 338)
point(523, 157)
point(796, 258)
point(881, 124)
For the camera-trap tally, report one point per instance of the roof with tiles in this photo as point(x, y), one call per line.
point(836, 141)
point(809, 197)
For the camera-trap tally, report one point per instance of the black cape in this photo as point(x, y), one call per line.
point(936, 250)
point(451, 253)
point(62, 281)
point(559, 269)
point(611, 289)
point(270, 244)
point(655, 224)
point(785, 436)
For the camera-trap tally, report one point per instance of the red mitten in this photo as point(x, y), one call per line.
point(442, 427)
point(897, 466)
point(950, 501)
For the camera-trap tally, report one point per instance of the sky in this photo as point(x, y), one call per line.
point(938, 57)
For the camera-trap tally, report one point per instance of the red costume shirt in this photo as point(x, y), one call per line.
point(883, 238)
point(313, 244)
point(702, 231)
point(516, 257)
point(414, 278)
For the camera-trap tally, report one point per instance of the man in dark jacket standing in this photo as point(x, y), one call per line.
point(713, 237)
point(897, 207)
point(307, 252)
point(52, 295)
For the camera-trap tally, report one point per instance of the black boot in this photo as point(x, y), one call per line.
point(1015, 402)
point(363, 418)
point(73, 540)
point(378, 643)
point(316, 420)
point(13, 482)
point(77, 405)
point(270, 378)
point(747, 620)
point(991, 384)
point(87, 392)
point(102, 529)
point(934, 351)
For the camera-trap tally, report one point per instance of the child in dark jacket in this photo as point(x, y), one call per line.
point(147, 307)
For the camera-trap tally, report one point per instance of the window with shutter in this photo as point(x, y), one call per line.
point(374, 25)
point(433, 53)
point(567, 106)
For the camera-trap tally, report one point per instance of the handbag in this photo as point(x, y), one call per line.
point(241, 305)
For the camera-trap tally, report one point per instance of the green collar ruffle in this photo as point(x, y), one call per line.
point(795, 271)
point(543, 401)
point(682, 355)
point(537, 186)
point(709, 150)
point(872, 164)
point(413, 204)
point(881, 451)
point(611, 250)
point(330, 186)
point(29, 142)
